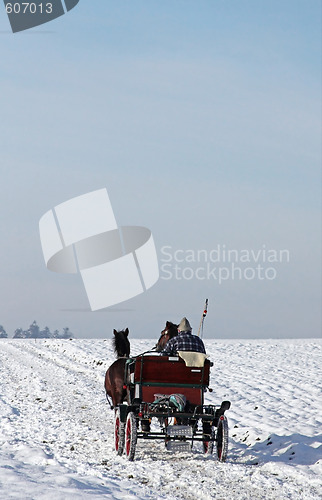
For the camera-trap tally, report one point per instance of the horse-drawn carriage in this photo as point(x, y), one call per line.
point(170, 390)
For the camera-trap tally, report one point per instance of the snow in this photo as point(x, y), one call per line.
point(57, 429)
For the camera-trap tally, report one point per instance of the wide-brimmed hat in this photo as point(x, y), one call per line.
point(184, 326)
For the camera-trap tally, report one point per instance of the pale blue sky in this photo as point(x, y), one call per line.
point(202, 120)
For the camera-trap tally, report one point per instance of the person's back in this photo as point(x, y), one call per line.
point(184, 341)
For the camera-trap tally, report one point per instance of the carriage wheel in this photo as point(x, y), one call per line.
point(222, 439)
point(130, 435)
point(208, 446)
point(119, 433)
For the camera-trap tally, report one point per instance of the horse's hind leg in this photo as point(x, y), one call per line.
point(118, 394)
point(114, 381)
point(108, 390)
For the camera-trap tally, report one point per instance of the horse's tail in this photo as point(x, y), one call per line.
point(108, 399)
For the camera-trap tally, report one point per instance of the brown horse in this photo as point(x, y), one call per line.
point(170, 331)
point(114, 377)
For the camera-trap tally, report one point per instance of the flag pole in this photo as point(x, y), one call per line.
point(204, 314)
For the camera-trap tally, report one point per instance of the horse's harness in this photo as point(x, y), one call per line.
point(164, 332)
point(163, 338)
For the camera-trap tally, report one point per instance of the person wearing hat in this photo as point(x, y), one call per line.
point(184, 341)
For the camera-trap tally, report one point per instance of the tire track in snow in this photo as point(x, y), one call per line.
point(58, 405)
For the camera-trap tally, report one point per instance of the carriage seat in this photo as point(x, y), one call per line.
point(192, 358)
point(169, 375)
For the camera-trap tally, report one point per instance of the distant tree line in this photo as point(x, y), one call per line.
point(3, 333)
point(34, 332)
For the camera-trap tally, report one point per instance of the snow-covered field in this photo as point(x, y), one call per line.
point(57, 429)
